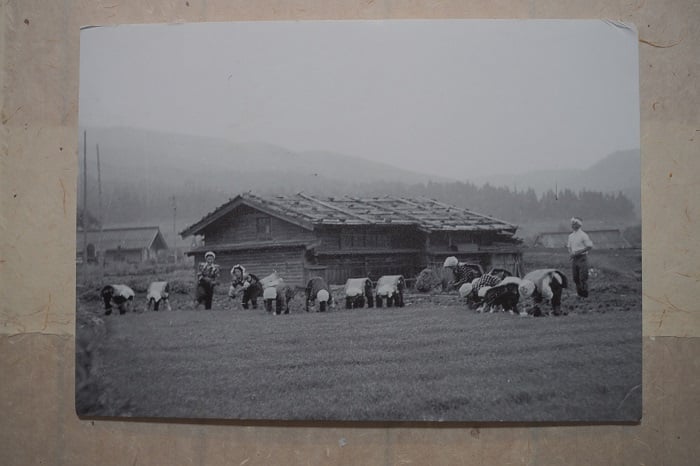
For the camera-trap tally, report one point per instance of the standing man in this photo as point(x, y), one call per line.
point(579, 244)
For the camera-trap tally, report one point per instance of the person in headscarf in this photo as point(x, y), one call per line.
point(318, 290)
point(249, 283)
point(461, 271)
point(504, 296)
point(207, 276)
point(475, 291)
point(158, 293)
point(579, 244)
point(544, 285)
point(121, 295)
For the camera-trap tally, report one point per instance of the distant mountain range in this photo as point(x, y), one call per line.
point(618, 172)
point(215, 162)
point(141, 170)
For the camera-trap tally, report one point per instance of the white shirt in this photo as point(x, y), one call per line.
point(578, 242)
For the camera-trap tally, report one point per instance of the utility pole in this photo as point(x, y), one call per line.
point(174, 229)
point(98, 249)
point(99, 186)
point(85, 219)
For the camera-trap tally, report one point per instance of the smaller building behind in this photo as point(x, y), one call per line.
point(133, 245)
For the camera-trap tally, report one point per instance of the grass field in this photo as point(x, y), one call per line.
point(432, 360)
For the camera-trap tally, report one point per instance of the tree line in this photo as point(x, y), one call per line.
point(132, 202)
point(518, 206)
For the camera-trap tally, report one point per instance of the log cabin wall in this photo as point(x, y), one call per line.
point(368, 238)
point(366, 251)
point(338, 268)
point(246, 224)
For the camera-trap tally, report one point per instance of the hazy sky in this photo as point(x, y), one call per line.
point(453, 98)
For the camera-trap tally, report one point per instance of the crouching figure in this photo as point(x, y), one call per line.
point(547, 286)
point(504, 296)
point(357, 291)
point(158, 292)
point(459, 273)
point(390, 287)
point(318, 290)
point(277, 291)
point(120, 295)
point(248, 283)
point(475, 292)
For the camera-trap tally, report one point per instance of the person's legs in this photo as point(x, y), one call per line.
point(583, 277)
point(575, 275)
point(556, 298)
point(201, 296)
point(210, 295)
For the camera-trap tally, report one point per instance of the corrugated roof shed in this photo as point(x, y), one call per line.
point(426, 214)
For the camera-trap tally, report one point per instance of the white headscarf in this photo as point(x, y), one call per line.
point(526, 288)
point(238, 266)
point(465, 290)
point(322, 296)
point(451, 261)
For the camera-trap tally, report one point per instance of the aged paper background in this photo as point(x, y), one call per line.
point(39, 50)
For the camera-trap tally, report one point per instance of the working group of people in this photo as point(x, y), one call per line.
point(208, 277)
point(579, 244)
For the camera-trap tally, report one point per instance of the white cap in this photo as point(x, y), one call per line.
point(209, 253)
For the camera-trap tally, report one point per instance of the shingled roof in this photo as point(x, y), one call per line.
point(309, 212)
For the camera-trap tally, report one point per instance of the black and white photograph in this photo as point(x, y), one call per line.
point(373, 221)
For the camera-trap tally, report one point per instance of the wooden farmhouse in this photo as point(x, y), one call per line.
point(301, 236)
point(135, 244)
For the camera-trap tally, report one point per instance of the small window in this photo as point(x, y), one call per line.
point(263, 228)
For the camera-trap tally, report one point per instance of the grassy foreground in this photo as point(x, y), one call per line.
point(415, 363)
point(433, 360)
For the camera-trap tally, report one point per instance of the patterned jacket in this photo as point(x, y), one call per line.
point(485, 280)
point(465, 273)
point(208, 271)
